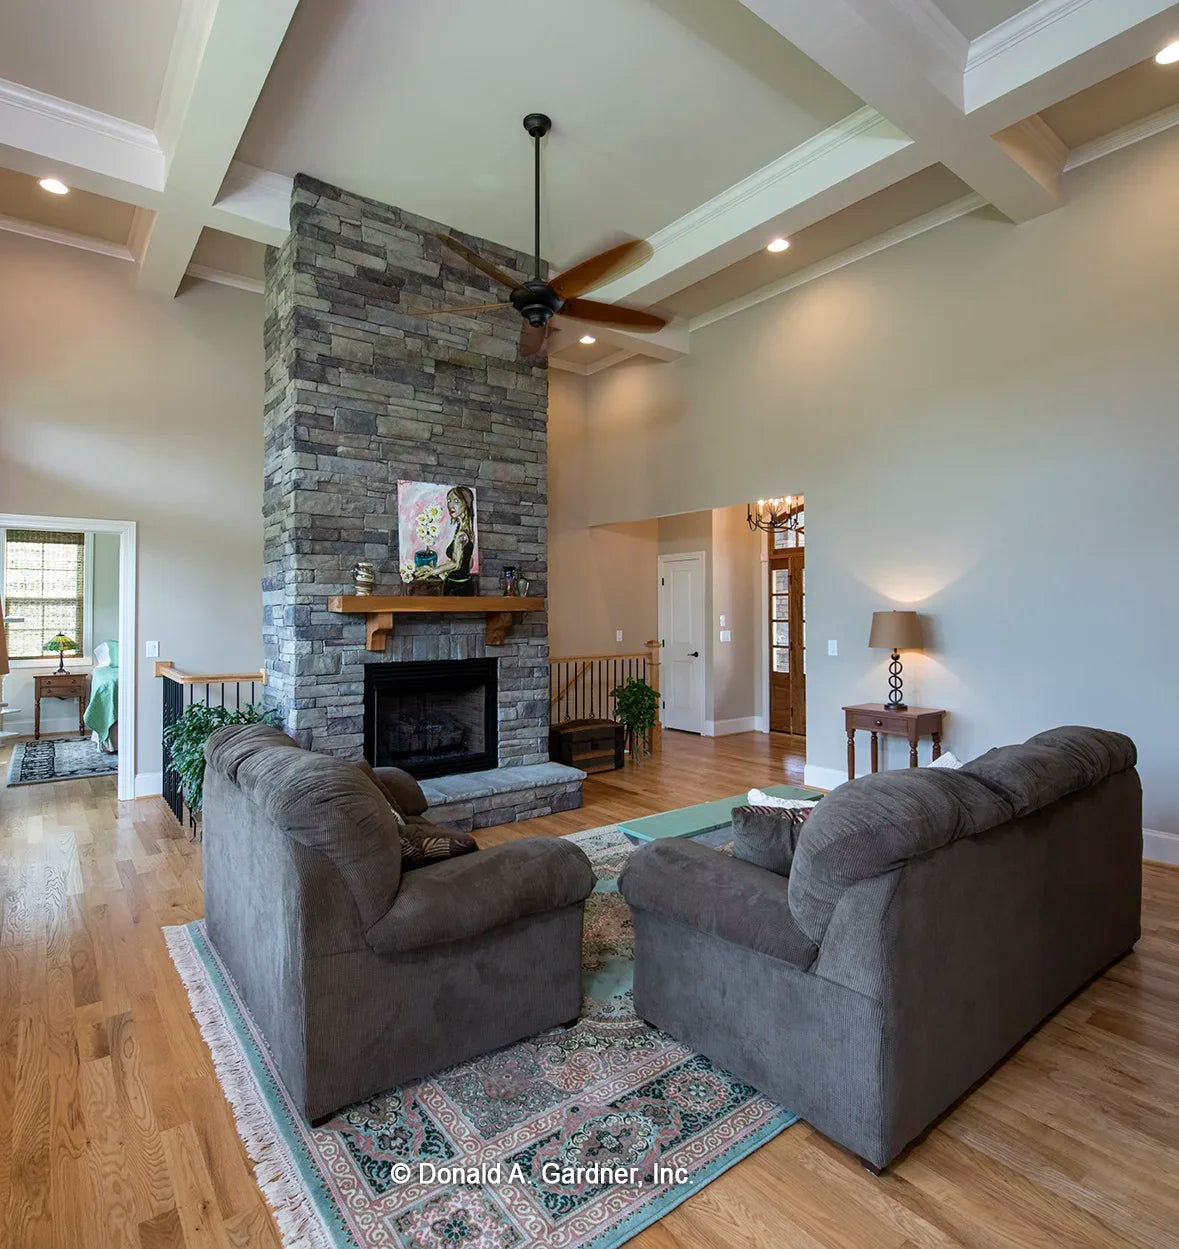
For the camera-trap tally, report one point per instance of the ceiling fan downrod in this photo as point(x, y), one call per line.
point(537, 125)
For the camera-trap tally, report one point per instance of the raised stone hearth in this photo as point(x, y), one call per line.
point(361, 393)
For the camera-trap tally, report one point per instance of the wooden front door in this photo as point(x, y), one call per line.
point(787, 640)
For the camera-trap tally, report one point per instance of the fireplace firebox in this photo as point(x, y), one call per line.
point(432, 718)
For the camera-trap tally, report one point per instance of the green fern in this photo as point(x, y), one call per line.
point(186, 741)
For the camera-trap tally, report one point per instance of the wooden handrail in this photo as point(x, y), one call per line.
point(577, 659)
point(163, 668)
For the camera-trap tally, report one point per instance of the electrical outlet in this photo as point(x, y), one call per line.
point(726, 635)
point(618, 635)
point(151, 650)
point(832, 646)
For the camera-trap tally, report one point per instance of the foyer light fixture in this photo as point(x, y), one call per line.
point(778, 245)
point(588, 339)
point(54, 186)
point(1169, 55)
point(776, 515)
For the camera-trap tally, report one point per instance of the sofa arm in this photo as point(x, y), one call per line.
point(703, 889)
point(403, 792)
point(467, 896)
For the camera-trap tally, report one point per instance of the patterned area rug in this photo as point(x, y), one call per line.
point(58, 759)
point(477, 1157)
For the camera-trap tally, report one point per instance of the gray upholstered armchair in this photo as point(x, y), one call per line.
point(359, 977)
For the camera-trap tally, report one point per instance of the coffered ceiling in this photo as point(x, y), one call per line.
point(709, 126)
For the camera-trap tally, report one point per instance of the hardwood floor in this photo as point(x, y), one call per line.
point(114, 1131)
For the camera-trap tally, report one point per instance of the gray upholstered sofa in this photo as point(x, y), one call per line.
point(930, 920)
point(359, 976)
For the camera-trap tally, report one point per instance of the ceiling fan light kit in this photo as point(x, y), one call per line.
point(538, 301)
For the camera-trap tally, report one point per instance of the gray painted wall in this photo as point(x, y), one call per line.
point(983, 421)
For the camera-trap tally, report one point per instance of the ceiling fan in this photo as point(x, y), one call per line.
point(538, 301)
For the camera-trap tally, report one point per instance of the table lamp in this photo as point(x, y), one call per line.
point(895, 631)
point(60, 643)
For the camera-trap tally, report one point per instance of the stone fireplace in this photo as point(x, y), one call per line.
point(362, 393)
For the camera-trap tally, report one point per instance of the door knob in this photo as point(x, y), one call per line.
point(693, 654)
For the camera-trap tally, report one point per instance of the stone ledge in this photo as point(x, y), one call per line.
point(465, 786)
point(502, 796)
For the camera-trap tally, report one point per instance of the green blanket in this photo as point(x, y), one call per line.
point(103, 710)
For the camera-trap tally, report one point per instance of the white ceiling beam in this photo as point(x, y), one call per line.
point(856, 157)
point(220, 59)
point(254, 203)
point(1051, 35)
point(42, 135)
point(863, 44)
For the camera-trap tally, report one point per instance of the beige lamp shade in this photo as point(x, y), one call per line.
point(895, 630)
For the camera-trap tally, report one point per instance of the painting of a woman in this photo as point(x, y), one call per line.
point(420, 507)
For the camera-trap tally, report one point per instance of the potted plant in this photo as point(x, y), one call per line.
point(186, 741)
point(636, 706)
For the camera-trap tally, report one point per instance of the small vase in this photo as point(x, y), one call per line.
point(364, 574)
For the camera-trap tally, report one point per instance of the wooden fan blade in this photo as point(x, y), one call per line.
point(602, 268)
point(472, 257)
point(533, 339)
point(614, 314)
point(438, 312)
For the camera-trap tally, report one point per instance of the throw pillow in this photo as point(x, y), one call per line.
point(768, 836)
point(947, 759)
point(364, 767)
point(422, 845)
point(759, 798)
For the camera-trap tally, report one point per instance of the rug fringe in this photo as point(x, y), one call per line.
point(282, 1187)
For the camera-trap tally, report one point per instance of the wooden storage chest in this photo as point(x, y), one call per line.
point(591, 745)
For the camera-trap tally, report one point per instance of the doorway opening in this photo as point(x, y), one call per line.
point(68, 586)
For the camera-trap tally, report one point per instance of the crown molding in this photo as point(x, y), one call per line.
point(861, 251)
point(827, 142)
point(1023, 25)
point(53, 108)
point(1135, 132)
point(224, 278)
point(33, 230)
point(936, 28)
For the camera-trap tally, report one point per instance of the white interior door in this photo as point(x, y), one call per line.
point(681, 630)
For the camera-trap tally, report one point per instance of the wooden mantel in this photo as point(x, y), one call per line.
point(379, 610)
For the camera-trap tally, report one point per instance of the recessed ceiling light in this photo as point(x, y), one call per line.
point(54, 186)
point(1169, 55)
point(587, 339)
point(778, 245)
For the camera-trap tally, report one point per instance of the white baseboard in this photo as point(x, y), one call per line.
point(1160, 847)
point(148, 784)
point(822, 778)
point(722, 728)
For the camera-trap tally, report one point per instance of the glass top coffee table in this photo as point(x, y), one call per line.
point(704, 817)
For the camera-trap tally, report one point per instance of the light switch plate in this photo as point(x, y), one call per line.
point(832, 646)
point(726, 634)
point(151, 650)
point(723, 622)
point(618, 635)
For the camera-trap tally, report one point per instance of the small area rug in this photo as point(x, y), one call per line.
point(58, 759)
point(610, 1090)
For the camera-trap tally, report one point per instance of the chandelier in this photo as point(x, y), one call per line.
point(776, 515)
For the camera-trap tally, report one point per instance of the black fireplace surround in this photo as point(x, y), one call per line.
point(432, 718)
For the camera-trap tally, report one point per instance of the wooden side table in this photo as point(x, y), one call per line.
point(913, 723)
point(60, 685)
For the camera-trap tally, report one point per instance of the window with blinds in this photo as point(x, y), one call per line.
point(43, 582)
